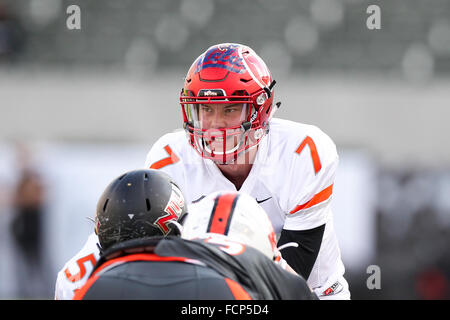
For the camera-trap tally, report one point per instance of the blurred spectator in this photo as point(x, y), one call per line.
point(27, 233)
point(12, 35)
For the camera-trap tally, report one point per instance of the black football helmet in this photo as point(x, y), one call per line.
point(139, 204)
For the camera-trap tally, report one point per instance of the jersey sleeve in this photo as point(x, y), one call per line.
point(62, 291)
point(313, 171)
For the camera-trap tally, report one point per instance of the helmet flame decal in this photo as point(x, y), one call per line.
point(226, 56)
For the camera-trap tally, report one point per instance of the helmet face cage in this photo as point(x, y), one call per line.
point(221, 82)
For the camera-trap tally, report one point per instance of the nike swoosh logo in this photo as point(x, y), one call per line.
point(201, 197)
point(260, 201)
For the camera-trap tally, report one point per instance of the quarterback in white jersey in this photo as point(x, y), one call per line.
point(77, 270)
point(234, 143)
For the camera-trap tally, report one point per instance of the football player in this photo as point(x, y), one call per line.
point(139, 203)
point(235, 143)
point(231, 256)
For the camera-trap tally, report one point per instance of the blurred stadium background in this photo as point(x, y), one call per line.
point(79, 107)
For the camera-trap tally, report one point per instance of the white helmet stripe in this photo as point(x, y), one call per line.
point(248, 69)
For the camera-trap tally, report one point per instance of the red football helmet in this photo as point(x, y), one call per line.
point(227, 101)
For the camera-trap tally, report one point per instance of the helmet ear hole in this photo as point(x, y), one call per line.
point(147, 202)
point(183, 218)
point(104, 206)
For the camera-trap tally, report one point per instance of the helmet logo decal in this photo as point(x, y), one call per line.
point(253, 117)
point(210, 93)
point(173, 208)
point(225, 57)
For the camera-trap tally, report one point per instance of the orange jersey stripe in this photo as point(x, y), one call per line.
point(236, 289)
point(323, 195)
point(222, 212)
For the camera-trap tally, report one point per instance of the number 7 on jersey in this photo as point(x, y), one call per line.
point(314, 154)
point(172, 158)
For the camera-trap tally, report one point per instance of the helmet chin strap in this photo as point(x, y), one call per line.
point(268, 89)
point(246, 125)
point(177, 226)
point(278, 105)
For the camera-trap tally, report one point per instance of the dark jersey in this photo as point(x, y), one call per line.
point(175, 268)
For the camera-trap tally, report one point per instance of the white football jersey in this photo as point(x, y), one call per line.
point(291, 178)
point(77, 270)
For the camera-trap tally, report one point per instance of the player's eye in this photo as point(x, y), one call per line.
point(233, 108)
point(205, 108)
